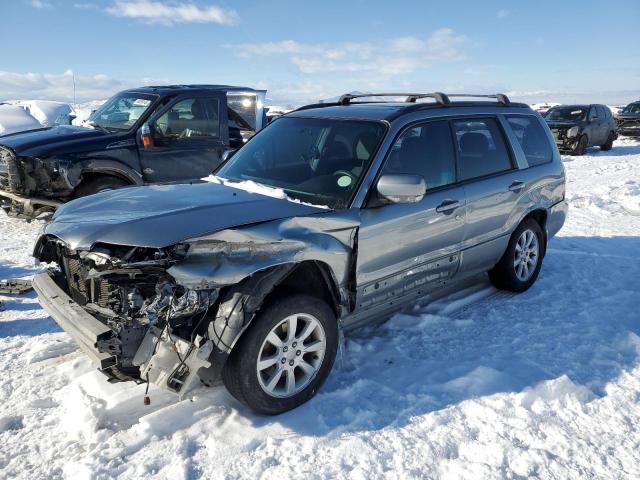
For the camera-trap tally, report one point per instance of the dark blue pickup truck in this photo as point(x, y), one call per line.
point(175, 133)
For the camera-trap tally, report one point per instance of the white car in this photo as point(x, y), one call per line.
point(16, 119)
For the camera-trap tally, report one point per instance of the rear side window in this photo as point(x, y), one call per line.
point(532, 138)
point(425, 150)
point(481, 148)
point(601, 113)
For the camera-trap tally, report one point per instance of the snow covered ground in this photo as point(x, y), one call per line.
point(481, 384)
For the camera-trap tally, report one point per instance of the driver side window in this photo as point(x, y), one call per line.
point(425, 150)
point(188, 119)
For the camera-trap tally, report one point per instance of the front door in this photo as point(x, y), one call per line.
point(408, 248)
point(188, 141)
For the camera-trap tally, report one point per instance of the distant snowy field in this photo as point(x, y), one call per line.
point(482, 384)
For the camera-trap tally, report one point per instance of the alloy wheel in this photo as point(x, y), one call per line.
point(527, 252)
point(291, 355)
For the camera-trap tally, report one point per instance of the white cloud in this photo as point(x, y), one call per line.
point(59, 86)
point(168, 13)
point(400, 55)
point(503, 13)
point(40, 4)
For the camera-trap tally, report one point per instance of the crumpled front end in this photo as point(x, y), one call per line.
point(126, 312)
point(169, 315)
point(566, 140)
point(30, 185)
point(629, 126)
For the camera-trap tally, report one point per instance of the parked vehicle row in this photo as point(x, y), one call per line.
point(141, 136)
point(333, 216)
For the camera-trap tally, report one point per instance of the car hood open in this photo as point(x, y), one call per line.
point(162, 215)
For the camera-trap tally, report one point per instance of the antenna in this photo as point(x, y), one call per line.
point(74, 88)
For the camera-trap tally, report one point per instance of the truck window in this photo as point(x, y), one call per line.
point(190, 118)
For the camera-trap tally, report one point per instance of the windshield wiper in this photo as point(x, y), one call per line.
point(97, 126)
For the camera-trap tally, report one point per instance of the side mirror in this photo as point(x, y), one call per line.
point(145, 136)
point(402, 188)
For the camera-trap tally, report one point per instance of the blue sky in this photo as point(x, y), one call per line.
point(303, 51)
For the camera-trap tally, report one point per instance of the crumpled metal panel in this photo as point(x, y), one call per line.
point(228, 256)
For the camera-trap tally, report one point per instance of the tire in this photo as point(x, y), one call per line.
point(99, 184)
point(249, 383)
point(581, 146)
point(507, 274)
point(608, 145)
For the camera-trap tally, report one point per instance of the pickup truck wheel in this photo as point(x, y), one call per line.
point(97, 185)
point(284, 357)
point(581, 146)
point(520, 265)
point(608, 145)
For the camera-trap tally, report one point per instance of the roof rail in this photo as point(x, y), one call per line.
point(500, 97)
point(439, 97)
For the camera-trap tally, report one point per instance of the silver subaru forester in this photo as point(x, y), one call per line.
point(335, 215)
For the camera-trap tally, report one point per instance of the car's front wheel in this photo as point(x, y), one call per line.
point(284, 357)
point(99, 184)
point(520, 265)
point(581, 146)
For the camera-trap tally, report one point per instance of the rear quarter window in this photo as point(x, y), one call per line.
point(532, 139)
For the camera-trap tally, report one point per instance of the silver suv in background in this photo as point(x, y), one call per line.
point(333, 216)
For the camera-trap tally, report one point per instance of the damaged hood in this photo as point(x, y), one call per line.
point(46, 141)
point(162, 215)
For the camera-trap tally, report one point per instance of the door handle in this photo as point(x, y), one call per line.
point(517, 185)
point(447, 206)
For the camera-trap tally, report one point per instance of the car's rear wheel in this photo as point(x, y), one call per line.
point(98, 184)
point(284, 357)
point(581, 146)
point(520, 265)
point(608, 145)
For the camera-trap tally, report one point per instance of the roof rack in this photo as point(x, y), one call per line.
point(500, 97)
point(439, 97)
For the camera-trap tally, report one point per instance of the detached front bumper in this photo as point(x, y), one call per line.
point(28, 206)
point(85, 330)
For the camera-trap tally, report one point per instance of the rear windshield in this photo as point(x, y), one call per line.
point(318, 161)
point(570, 114)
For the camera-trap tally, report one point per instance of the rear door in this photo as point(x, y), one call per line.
point(492, 187)
point(597, 126)
point(404, 248)
point(188, 139)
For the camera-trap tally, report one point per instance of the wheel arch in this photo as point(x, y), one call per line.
point(540, 215)
point(239, 304)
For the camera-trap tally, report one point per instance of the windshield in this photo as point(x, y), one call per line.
point(632, 108)
point(569, 114)
point(319, 161)
point(122, 111)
